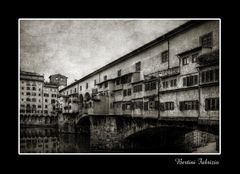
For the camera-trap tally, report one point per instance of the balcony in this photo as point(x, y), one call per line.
point(135, 77)
point(124, 79)
point(170, 72)
point(208, 57)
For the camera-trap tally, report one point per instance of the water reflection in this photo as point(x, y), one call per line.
point(49, 140)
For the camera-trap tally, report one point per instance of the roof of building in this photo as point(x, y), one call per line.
point(30, 73)
point(57, 75)
point(150, 44)
point(53, 85)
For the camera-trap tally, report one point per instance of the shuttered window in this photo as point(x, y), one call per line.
point(211, 104)
point(189, 105)
point(167, 106)
point(190, 80)
point(206, 40)
point(210, 76)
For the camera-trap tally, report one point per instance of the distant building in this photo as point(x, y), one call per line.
point(31, 88)
point(59, 80)
point(38, 100)
point(50, 96)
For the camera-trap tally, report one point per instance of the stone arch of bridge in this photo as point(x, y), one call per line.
point(168, 139)
point(136, 128)
point(83, 124)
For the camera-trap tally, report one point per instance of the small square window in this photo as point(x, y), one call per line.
point(206, 40)
point(185, 61)
point(138, 66)
point(119, 73)
point(194, 57)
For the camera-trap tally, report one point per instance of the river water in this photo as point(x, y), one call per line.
point(50, 140)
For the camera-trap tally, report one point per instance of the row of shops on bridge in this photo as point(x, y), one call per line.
point(163, 79)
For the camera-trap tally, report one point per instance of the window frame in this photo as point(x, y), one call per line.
point(137, 88)
point(119, 72)
point(105, 78)
point(187, 60)
point(165, 56)
point(205, 45)
point(194, 57)
point(189, 105)
point(212, 104)
point(129, 92)
point(138, 66)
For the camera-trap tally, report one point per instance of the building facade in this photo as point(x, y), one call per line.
point(50, 97)
point(38, 100)
point(31, 88)
point(175, 76)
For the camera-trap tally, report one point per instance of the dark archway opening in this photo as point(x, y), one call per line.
point(164, 140)
point(82, 135)
point(83, 126)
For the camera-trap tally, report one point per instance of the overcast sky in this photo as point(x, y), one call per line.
point(76, 48)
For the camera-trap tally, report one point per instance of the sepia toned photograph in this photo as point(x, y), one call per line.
point(119, 86)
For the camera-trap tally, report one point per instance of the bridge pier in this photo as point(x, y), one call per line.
point(103, 133)
point(109, 132)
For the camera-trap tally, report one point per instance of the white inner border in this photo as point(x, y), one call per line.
point(22, 19)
